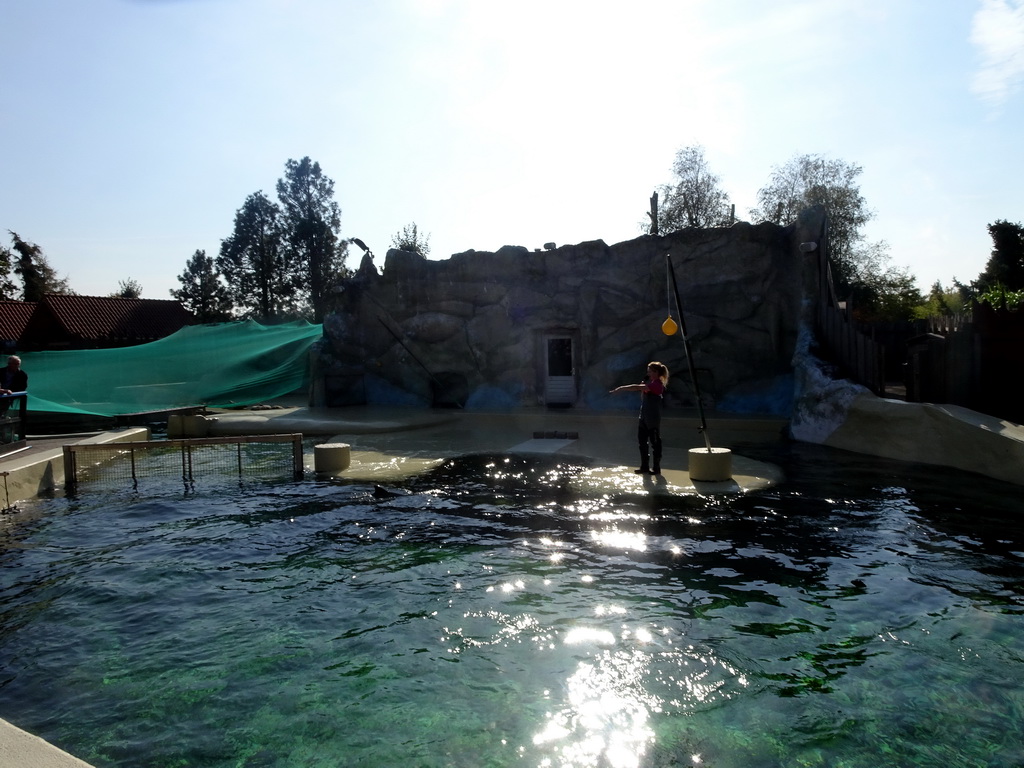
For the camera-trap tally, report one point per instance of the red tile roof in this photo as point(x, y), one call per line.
point(69, 321)
point(14, 316)
point(96, 318)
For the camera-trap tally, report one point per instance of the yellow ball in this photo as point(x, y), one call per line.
point(669, 327)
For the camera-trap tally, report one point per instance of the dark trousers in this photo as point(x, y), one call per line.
point(649, 435)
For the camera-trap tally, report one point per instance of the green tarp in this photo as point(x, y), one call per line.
point(224, 365)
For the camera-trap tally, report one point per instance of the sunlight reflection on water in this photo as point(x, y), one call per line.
point(618, 539)
point(610, 698)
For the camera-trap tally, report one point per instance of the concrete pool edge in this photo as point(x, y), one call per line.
point(39, 468)
point(22, 749)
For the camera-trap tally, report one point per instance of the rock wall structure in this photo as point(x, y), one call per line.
point(560, 327)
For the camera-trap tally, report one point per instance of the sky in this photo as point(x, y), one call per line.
point(132, 131)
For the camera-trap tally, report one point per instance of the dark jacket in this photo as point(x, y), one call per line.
point(16, 381)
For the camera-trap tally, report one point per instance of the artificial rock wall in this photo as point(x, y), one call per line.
point(473, 330)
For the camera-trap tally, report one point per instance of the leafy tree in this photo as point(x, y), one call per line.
point(885, 295)
point(409, 239)
point(7, 286)
point(694, 199)
point(312, 222)
point(1005, 266)
point(938, 302)
point(201, 291)
point(253, 263)
point(944, 301)
point(37, 276)
point(128, 289)
point(809, 180)
point(862, 271)
point(999, 297)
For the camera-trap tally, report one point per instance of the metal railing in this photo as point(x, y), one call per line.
point(12, 421)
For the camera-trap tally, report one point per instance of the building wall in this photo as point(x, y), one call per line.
point(472, 330)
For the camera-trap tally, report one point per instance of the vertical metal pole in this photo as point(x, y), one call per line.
point(70, 470)
point(297, 455)
point(689, 357)
point(22, 414)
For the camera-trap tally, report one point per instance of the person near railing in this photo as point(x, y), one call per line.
point(13, 383)
point(12, 378)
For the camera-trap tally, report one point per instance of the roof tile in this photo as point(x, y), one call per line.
point(96, 318)
point(14, 317)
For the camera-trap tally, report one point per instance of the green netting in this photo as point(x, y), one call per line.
point(221, 366)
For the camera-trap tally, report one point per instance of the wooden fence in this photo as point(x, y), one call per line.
point(857, 355)
point(975, 360)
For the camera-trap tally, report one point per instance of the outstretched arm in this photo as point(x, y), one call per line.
point(628, 388)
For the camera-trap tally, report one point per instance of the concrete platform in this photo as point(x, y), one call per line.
point(391, 444)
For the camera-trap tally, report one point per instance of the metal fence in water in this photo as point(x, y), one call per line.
point(187, 459)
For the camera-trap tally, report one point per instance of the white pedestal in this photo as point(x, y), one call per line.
point(332, 457)
point(714, 466)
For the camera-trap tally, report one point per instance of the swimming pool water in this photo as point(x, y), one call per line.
point(862, 613)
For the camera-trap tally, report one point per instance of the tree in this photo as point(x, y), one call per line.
point(1000, 297)
point(409, 239)
point(888, 294)
point(37, 276)
point(861, 271)
point(127, 289)
point(7, 286)
point(201, 291)
point(695, 199)
point(312, 222)
point(943, 302)
point(1005, 266)
point(252, 261)
point(809, 180)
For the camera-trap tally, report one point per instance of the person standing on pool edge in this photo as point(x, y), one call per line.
point(649, 429)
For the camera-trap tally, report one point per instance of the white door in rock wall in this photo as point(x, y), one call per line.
point(559, 378)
